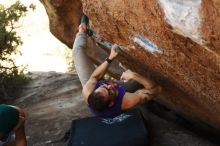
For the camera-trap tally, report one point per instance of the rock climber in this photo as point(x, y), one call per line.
point(107, 98)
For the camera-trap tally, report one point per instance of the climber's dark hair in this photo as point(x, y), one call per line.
point(97, 102)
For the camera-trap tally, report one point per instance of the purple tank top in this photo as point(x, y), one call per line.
point(116, 108)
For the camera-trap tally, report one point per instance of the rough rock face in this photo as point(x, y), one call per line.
point(175, 42)
point(64, 18)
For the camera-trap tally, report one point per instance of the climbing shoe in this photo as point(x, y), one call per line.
point(85, 20)
point(85, 24)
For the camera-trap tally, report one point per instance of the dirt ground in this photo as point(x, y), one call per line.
point(52, 100)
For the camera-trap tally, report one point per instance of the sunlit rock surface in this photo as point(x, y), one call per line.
point(175, 42)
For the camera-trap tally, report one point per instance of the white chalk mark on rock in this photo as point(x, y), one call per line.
point(184, 17)
point(146, 44)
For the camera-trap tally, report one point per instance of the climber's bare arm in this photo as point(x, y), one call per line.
point(20, 137)
point(98, 74)
point(131, 100)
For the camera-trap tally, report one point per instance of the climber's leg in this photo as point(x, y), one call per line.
point(84, 66)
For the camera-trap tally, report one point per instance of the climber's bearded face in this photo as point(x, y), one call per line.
point(108, 91)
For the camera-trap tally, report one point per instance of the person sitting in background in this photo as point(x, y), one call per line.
point(12, 121)
point(107, 98)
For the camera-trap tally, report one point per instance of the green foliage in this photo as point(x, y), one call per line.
point(11, 76)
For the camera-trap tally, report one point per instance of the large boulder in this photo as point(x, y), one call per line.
point(174, 42)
